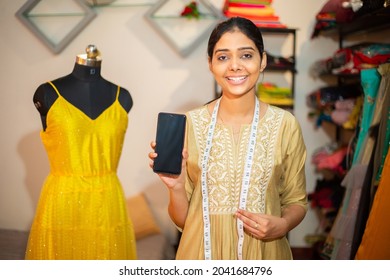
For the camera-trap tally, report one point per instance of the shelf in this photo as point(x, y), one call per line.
point(281, 68)
point(277, 30)
point(374, 21)
point(56, 25)
point(342, 78)
point(282, 31)
point(346, 136)
point(181, 33)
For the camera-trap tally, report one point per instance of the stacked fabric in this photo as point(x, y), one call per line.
point(259, 11)
point(340, 105)
point(272, 94)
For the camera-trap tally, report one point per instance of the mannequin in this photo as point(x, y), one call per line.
point(82, 213)
point(85, 88)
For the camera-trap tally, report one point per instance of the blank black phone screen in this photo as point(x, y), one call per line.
point(169, 143)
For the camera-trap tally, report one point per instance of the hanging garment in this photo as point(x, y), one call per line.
point(81, 213)
point(384, 126)
point(380, 132)
point(363, 207)
point(375, 243)
point(344, 226)
point(370, 79)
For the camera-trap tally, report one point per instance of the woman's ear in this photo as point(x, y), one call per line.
point(210, 65)
point(263, 62)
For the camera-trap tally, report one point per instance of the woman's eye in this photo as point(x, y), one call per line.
point(222, 57)
point(247, 55)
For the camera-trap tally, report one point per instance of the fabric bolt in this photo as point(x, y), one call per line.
point(260, 12)
point(81, 213)
point(277, 180)
point(264, 11)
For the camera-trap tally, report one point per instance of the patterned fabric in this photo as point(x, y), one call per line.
point(82, 213)
point(344, 226)
point(277, 180)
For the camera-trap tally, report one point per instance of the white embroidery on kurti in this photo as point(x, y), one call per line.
point(226, 161)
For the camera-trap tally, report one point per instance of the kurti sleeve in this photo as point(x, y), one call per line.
point(190, 145)
point(293, 190)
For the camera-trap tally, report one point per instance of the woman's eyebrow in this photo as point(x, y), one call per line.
point(240, 49)
point(246, 48)
point(221, 50)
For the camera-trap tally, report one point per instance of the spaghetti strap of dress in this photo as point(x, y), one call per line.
point(55, 88)
point(117, 93)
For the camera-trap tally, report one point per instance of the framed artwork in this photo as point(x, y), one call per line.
point(55, 22)
point(183, 31)
point(121, 3)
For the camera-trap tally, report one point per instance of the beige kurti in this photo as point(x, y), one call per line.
point(277, 180)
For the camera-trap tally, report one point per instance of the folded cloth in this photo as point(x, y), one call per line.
point(272, 94)
point(265, 11)
point(340, 117)
point(259, 11)
point(333, 160)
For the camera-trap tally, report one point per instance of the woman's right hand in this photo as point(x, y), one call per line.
point(173, 182)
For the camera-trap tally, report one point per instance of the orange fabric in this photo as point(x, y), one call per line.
point(142, 217)
point(375, 243)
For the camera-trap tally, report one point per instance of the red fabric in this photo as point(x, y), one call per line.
point(335, 6)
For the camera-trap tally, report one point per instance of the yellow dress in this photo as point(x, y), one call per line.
point(277, 180)
point(81, 212)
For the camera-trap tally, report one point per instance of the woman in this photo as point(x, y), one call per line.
point(242, 186)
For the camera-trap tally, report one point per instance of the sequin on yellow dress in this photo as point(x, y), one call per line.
point(81, 212)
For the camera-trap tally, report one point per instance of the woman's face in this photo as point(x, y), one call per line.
point(236, 63)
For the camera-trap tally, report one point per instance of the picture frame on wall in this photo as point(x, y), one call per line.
point(183, 33)
point(121, 3)
point(56, 22)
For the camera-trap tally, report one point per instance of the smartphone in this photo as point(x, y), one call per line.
point(169, 143)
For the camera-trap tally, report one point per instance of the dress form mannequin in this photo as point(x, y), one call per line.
point(81, 213)
point(85, 88)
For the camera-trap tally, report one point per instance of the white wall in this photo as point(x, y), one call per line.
point(137, 58)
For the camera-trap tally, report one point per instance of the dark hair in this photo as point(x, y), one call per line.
point(244, 25)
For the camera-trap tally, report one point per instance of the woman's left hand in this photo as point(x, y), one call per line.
point(263, 226)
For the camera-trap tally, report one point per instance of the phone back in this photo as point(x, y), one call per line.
point(169, 143)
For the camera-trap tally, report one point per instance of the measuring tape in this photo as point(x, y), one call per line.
point(245, 180)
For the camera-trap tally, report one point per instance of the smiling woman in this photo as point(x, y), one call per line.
point(242, 187)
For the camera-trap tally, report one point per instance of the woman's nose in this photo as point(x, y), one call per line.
point(235, 64)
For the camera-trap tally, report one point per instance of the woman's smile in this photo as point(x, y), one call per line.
point(237, 80)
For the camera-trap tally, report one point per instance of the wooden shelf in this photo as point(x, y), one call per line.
point(372, 22)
